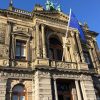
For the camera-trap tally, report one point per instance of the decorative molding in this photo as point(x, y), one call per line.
point(16, 75)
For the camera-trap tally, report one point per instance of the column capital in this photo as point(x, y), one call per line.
point(37, 23)
point(43, 25)
point(54, 79)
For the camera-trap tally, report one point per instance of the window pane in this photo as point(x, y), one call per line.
point(17, 50)
point(20, 49)
point(51, 53)
point(15, 97)
point(22, 97)
point(59, 54)
point(18, 43)
point(23, 51)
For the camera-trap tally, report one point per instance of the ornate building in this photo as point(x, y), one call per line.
point(31, 49)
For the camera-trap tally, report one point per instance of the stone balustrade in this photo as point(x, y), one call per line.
point(55, 64)
point(22, 12)
point(63, 65)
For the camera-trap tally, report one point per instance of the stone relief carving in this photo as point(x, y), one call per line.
point(4, 51)
point(20, 28)
point(2, 32)
point(2, 37)
point(65, 65)
point(16, 75)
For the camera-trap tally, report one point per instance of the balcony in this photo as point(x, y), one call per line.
point(61, 65)
point(55, 64)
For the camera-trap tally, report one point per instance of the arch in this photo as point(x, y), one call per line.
point(59, 36)
point(55, 48)
point(19, 92)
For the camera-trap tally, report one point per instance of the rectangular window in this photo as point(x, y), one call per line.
point(88, 59)
point(20, 49)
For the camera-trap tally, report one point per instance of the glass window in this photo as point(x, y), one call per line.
point(18, 93)
point(55, 48)
point(88, 59)
point(20, 49)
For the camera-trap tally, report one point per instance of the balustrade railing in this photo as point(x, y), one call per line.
point(22, 12)
point(64, 65)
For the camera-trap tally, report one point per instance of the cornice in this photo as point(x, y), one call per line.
point(49, 17)
point(65, 70)
point(92, 33)
point(16, 12)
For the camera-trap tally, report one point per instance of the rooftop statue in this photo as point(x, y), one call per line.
point(10, 5)
point(52, 6)
point(49, 5)
point(59, 8)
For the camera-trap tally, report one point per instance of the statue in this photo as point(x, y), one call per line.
point(48, 3)
point(52, 6)
point(58, 8)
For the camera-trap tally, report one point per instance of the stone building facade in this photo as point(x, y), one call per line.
point(31, 48)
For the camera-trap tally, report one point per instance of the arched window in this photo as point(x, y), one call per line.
point(19, 92)
point(55, 47)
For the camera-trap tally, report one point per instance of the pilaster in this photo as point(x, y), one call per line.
point(3, 83)
point(88, 89)
point(43, 86)
point(37, 41)
point(80, 47)
point(43, 41)
point(78, 90)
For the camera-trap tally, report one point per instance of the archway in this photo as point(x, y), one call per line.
point(19, 92)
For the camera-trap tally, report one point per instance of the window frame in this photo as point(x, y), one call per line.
point(88, 59)
point(21, 46)
point(54, 48)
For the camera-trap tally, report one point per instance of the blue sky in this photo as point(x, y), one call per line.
point(85, 10)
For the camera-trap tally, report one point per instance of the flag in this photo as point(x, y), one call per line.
point(73, 22)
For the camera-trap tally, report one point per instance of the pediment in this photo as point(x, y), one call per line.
point(19, 33)
point(21, 30)
point(54, 14)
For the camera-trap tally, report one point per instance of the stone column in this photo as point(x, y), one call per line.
point(80, 47)
point(43, 41)
point(34, 44)
point(55, 88)
point(10, 94)
point(78, 90)
point(37, 40)
point(92, 57)
point(96, 54)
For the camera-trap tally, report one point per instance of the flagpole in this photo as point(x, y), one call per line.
point(66, 34)
point(68, 22)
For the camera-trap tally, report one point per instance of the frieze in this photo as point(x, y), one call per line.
point(65, 65)
point(20, 28)
point(43, 74)
point(66, 76)
point(72, 76)
point(15, 75)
